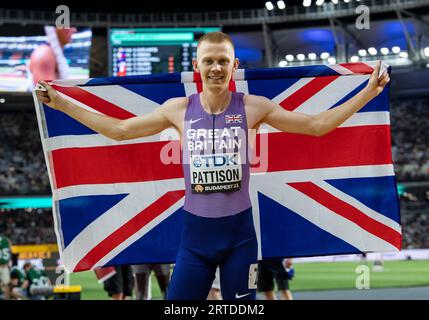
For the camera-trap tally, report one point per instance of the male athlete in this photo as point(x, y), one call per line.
point(218, 227)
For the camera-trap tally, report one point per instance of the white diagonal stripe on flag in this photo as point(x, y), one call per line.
point(123, 98)
point(331, 94)
point(340, 69)
point(292, 89)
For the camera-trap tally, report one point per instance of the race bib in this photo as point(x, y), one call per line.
point(215, 172)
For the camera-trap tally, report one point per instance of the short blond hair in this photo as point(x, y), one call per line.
point(216, 37)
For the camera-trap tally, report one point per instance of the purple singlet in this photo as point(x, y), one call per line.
point(215, 159)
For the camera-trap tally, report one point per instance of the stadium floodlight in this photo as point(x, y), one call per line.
point(346, 1)
point(372, 51)
point(320, 2)
point(426, 51)
point(362, 52)
point(283, 63)
point(306, 3)
point(332, 60)
point(354, 59)
point(384, 51)
point(334, 1)
point(289, 57)
point(2, 100)
point(301, 57)
point(324, 55)
point(281, 4)
point(269, 5)
point(396, 50)
point(403, 54)
point(312, 56)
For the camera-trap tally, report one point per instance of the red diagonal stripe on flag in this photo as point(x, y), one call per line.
point(351, 146)
point(114, 164)
point(95, 102)
point(306, 92)
point(358, 67)
point(128, 229)
point(349, 212)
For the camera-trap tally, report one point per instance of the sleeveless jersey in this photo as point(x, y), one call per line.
point(215, 159)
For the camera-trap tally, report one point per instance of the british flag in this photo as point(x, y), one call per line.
point(233, 118)
point(115, 202)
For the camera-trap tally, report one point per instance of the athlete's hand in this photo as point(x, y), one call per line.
point(376, 84)
point(50, 97)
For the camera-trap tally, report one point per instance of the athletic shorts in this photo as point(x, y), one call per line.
point(121, 282)
point(206, 243)
point(270, 270)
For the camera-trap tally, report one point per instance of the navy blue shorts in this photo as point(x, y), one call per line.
point(228, 242)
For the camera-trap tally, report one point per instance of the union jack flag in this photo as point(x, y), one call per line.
point(115, 202)
point(233, 118)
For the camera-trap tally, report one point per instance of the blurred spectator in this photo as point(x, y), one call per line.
point(415, 230)
point(27, 226)
point(410, 139)
point(22, 165)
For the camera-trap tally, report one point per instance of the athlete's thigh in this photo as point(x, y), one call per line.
point(191, 280)
point(238, 274)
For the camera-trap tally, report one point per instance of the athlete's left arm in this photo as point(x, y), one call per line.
point(326, 121)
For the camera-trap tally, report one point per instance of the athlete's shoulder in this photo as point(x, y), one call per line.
point(176, 103)
point(174, 109)
point(255, 101)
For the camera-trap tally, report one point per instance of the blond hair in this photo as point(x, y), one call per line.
point(216, 37)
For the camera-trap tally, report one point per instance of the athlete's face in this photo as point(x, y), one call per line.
point(215, 62)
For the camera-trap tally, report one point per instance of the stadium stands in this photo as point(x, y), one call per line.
point(27, 226)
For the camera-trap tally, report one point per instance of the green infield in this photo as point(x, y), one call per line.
point(308, 276)
point(343, 275)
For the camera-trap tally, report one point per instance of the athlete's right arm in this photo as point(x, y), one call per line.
point(116, 129)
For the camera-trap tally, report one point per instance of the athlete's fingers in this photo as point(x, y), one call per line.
point(384, 81)
point(384, 75)
point(48, 88)
point(376, 71)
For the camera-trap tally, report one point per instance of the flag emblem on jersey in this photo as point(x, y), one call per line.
point(233, 118)
point(115, 202)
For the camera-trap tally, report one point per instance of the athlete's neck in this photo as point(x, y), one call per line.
point(215, 102)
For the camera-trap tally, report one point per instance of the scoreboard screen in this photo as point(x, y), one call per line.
point(140, 51)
